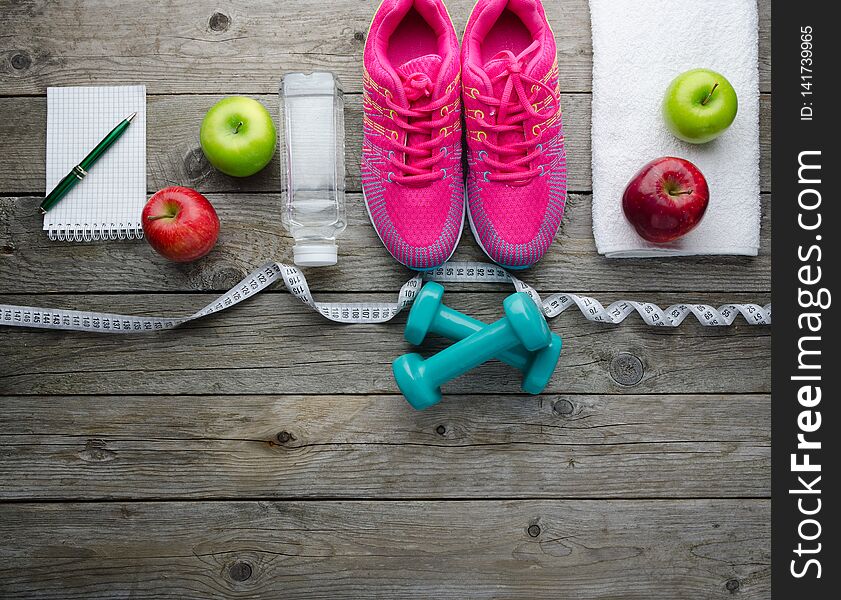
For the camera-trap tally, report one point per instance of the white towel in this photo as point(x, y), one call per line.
point(639, 46)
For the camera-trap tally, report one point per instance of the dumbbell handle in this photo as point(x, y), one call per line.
point(470, 352)
point(456, 326)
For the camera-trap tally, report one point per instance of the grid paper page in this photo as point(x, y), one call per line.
point(108, 202)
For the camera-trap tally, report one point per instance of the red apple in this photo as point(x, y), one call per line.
point(180, 224)
point(666, 199)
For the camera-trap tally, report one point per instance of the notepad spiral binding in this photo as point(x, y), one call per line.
point(84, 232)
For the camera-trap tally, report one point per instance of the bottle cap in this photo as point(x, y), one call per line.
point(315, 255)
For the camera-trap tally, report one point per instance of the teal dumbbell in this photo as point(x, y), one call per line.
point(430, 314)
point(523, 324)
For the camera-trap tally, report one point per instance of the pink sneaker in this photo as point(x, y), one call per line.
point(516, 183)
point(411, 150)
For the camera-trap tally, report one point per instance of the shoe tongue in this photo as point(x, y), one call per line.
point(419, 76)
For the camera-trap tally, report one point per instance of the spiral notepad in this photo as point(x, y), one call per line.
point(108, 203)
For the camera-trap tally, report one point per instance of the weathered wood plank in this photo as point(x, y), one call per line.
point(567, 446)
point(174, 155)
point(583, 419)
point(257, 347)
point(239, 48)
point(493, 443)
point(587, 550)
point(252, 233)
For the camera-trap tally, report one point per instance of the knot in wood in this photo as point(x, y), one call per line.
point(359, 36)
point(284, 437)
point(732, 585)
point(219, 21)
point(96, 451)
point(196, 165)
point(534, 530)
point(563, 407)
point(21, 61)
point(626, 369)
point(240, 571)
point(440, 430)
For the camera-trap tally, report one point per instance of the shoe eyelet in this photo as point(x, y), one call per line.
point(474, 92)
point(442, 132)
point(535, 131)
point(395, 135)
point(542, 173)
point(481, 154)
point(390, 154)
point(445, 151)
point(481, 136)
point(539, 147)
point(388, 177)
point(485, 176)
point(443, 173)
point(478, 114)
point(445, 110)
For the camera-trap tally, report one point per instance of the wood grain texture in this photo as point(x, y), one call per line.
point(184, 48)
point(635, 550)
point(344, 446)
point(300, 473)
point(175, 157)
point(252, 234)
point(273, 343)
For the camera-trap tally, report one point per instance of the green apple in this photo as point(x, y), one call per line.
point(699, 105)
point(238, 136)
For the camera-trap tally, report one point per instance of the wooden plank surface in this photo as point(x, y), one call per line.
point(252, 234)
point(264, 452)
point(242, 47)
point(635, 550)
point(343, 446)
point(257, 348)
point(175, 157)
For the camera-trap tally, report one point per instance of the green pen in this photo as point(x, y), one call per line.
point(81, 170)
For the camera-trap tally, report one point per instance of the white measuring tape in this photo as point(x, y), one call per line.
point(380, 312)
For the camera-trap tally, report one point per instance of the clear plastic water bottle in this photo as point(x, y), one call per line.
point(313, 166)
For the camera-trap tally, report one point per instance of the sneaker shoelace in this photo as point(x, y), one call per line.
point(419, 160)
point(512, 162)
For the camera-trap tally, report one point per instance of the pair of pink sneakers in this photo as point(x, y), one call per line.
point(411, 155)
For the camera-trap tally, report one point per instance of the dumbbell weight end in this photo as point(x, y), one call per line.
point(409, 374)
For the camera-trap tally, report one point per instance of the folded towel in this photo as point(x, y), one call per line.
point(639, 46)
